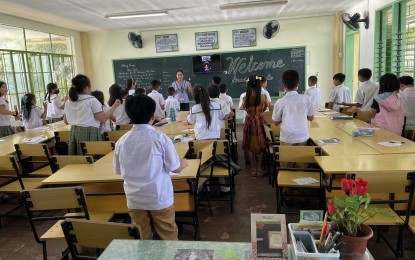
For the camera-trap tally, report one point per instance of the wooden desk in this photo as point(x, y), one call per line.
point(381, 135)
point(353, 163)
point(7, 143)
point(325, 127)
point(103, 171)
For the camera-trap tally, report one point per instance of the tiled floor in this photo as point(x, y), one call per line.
point(253, 195)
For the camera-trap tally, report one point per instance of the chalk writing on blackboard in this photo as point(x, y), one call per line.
point(242, 67)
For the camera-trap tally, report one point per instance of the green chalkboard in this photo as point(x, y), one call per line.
point(236, 68)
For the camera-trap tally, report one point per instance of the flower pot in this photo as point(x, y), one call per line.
point(355, 247)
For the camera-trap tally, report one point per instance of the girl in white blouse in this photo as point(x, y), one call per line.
point(5, 125)
point(33, 115)
point(84, 112)
point(55, 104)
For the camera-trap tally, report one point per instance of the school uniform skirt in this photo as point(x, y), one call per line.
point(80, 134)
point(54, 120)
point(6, 130)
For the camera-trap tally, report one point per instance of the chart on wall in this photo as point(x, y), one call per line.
point(236, 67)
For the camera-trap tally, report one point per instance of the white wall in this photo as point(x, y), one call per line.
point(24, 23)
point(316, 33)
point(367, 36)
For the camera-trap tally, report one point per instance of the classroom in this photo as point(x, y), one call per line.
point(266, 174)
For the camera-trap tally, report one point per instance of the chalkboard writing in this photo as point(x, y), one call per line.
point(236, 68)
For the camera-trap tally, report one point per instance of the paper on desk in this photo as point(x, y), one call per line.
point(188, 130)
point(2, 139)
point(173, 174)
point(323, 109)
point(187, 139)
point(330, 113)
point(319, 116)
point(392, 143)
point(34, 140)
point(305, 181)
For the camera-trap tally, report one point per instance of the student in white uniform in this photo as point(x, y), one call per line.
point(117, 92)
point(171, 101)
point(205, 115)
point(33, 116)
point(225, 97)
point(144, 157)
point(313, 92)
point(366, 92)
point(5, 125)
point(293, 111)
point(84, 112)
point(105, 126)
point(340, 93)
point(264, 84)
point(158, 98)
point(407, 96)
point(131, 86)
point(214, 92)
point(55, 104)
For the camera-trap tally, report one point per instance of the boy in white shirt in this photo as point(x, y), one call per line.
point(366, 92)
point(213, 91)
point(225, 97)
point(144, 157)
point(171, 101)
point(158, 98)
point(313, 92)
point(216, 80)
point(340, 93)
point(407, 96)
point(292, 111)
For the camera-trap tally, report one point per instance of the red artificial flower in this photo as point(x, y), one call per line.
point(361, 190)
point(361, 182)
point(346, 184)
point(331, 208)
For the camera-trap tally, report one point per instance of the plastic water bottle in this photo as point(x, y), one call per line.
point(172, 114)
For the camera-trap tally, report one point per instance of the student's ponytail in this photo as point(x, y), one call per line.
point(79, 83)
point(253, 85)
point(27, 104)
point(49, 88)
point(202, 97)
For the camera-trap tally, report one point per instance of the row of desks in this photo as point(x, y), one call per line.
point(102, 171)
point(7, 143)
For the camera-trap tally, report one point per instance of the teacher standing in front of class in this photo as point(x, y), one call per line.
point(183, 89)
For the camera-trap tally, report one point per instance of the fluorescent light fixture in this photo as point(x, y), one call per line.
point(136, 14)
point(252, 4)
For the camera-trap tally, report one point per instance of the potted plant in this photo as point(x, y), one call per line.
point(350, 212)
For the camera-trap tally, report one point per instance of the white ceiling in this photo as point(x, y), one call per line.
point(88, 15)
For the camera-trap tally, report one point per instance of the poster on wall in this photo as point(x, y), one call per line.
point(167, 43)
point(244, 37)
point(206, 41)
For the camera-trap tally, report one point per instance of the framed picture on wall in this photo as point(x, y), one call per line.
point(206, 41)
point(244, 37)
point(167, 43)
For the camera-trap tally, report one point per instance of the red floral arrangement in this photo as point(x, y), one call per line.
point(352, 209)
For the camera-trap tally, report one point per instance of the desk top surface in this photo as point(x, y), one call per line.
point(103, 171)
point(355, 163)
point(381, 135)
point(7, 143)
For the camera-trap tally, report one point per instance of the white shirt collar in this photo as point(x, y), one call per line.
point(291, 93)
point(314, 86)
point(142, 127)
